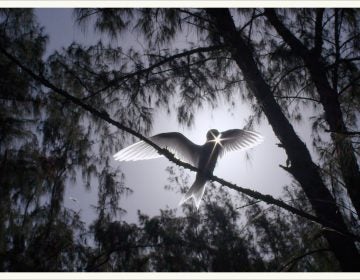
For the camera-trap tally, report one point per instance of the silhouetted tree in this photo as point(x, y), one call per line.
point(220, 237)
point(330, 63)
point(48, 141)
point(218, 28)
point(44, 145)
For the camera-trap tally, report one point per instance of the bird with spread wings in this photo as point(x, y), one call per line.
point(203, 157)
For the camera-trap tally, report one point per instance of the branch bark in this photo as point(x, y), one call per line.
point(302, 167)
point(318, 32)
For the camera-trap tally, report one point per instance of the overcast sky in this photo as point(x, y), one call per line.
point(262, 173)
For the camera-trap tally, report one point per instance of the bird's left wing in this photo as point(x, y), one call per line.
point(175, 142)
point(239, 139)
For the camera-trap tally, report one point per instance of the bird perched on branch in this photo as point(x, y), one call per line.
point(203, 157)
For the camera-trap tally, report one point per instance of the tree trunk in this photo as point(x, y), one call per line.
point(302, 166)
point(329, 100)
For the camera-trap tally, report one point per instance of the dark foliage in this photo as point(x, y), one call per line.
point(48, 144)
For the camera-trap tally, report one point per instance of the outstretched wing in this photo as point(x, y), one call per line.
point(238, 139)
point(175, 142)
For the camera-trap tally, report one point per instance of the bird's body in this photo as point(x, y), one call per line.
point(204, 157)
point(208, 157)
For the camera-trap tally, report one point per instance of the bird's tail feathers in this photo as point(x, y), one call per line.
point(196, 192)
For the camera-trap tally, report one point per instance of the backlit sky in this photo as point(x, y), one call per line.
point(261, 173)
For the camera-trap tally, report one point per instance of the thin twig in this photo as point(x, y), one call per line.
point(297, 97)
point(347, 133)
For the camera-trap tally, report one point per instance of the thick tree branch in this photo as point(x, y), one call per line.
point(104, 116)
point(318, 32)
point(302, 166)
point(329, 98)
point(337, 51)
point(294, 42)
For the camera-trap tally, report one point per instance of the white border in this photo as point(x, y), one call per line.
point(181, 275)
point(174, 4)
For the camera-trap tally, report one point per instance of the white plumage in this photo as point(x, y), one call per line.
point(204, 157)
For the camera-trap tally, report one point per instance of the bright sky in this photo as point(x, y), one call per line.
point(262, 173)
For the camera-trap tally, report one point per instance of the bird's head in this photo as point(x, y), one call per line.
point(213, 135)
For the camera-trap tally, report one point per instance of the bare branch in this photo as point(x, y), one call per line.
point(250, 22)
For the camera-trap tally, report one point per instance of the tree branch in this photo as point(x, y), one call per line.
point(104, 116)
point(337, 50)
point(250, 22)
point(116, 81)
point(351, 83)
point(195, 15)
point(294, 42)
point(318, 32)
point(283, 76)
point(329, 98)
point(347, 133)
point(297, 97)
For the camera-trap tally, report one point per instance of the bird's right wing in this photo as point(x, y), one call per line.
point(239, 139)
point(175, 142)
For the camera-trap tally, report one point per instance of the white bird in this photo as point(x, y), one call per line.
point(203, 157)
